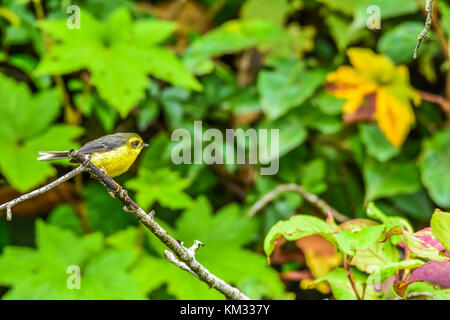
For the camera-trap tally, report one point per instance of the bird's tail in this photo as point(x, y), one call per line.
point(53, 155)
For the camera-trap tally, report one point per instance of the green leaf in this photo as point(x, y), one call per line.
point(342, 288)
point(417, 205)
point(159, 30)
point(342, 31)
point(147, 113)
point(158, 156)
point(16, 96)
point(440, 227)
point(150, 273)
point(165, 65)
point(4, 235)
point(284, 89)
point(376, 143)
point(344, 7)
point(63, 245)
point(64, 217)
point(388, 9)
point(421, 248)
point(399, 42)
point(103, 213)
point(441, 294)
point(435, 166)
point(15, 263)
point(296, 227)
point(25, 127)
point(25, 30)
point(44, 273)
point(41, 273)
point(384, 271)
point(292, 133)
point(327, 103)
point(119, 53)
point(444, 9)
point(351, 242)
point(105, 113)
point(267, 10)
point(389, 179)
point(375, 213)
point(125, 239)
point(106, 277)
point(233, 36)
point(376, 255)
point(164, 185)
point(426, 61)
point(313, 175)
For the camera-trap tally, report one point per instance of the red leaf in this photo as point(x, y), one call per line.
point(437, 272)
point(426, 235)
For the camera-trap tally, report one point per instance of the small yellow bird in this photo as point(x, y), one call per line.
point(114, 153)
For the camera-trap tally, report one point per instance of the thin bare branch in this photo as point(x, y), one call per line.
point(9, 205)
point(423, 34)
point(435, 98)
point(185, 256)
point(324, 207)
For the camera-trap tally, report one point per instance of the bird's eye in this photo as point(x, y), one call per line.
point(136, 143)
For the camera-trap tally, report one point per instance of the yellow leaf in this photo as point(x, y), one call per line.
point(320, 255)
point(373, 75)
point(376, 68)
point(346, 83)
point(394, 118)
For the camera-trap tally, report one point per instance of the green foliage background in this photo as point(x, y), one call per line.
point(143, 67)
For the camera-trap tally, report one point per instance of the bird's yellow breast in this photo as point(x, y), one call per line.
point(116, 161)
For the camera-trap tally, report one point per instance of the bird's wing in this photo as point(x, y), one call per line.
point(102, 144)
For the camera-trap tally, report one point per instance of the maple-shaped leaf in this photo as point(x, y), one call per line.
point(163, 185)
point(376, 89)
point(119, 53)
point(47, 271)
point(25, 128)
point(224, 235)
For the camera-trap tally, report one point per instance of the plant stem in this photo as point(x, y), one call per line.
point(435, 98)
point(350, 278)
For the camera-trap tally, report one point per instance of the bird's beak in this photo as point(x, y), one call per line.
point(145, 145)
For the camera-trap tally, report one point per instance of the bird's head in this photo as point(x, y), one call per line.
point(135, 142)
